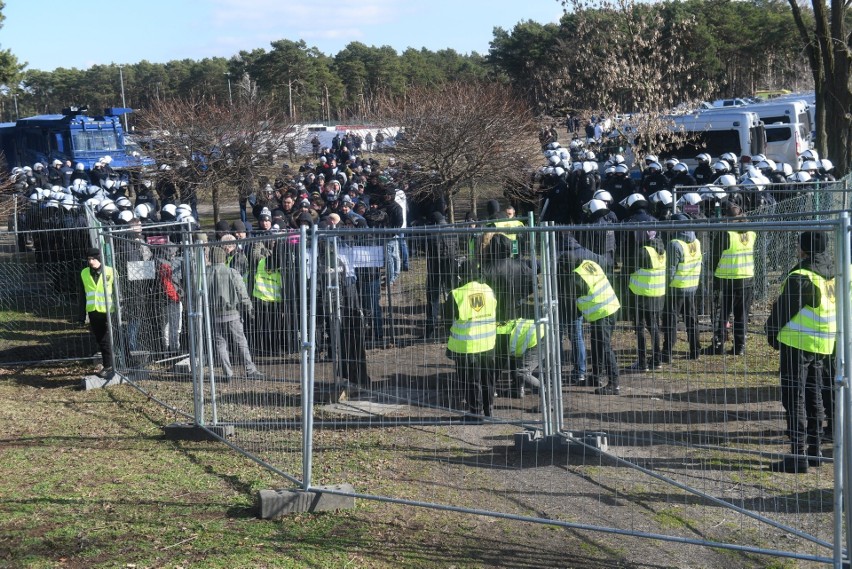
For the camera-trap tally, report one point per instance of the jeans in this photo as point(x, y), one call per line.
point(393, 261)
point(574, 328)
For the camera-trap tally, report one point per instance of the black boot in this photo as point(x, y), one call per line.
point(814, 456)
point(795, 464)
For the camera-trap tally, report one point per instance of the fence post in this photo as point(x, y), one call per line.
point(204, 314)
point(308, 333)
point(843, 395)
point(193, 339)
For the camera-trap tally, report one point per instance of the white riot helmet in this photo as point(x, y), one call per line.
point(730, 158)
point(655, 166)
point(618, 159)
point(680, 168)
point(184, 209)
point(634, 201)
point(721, 167)
point(590, 155)
point(603, 196)
point(142, 211)
point(703, 158)
point(594, 206)
point(809, 154)
point(784, 168)
point(109, 183)
point(125, 216)
point(662, 197)
point(826, 164)
point(609, 170)
point(799, 177)
point(170, 209)
point(558, 171)
point(589, 167)
point(689, 198)
point(123, 203)
point(650, 158)
point(758, 158)
point(553, 160)
point(670, 163)
point(810, 166)
point(553, 145)
point(726, 181)
point(753, 183)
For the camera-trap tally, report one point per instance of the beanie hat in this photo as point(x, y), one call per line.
point(812, 242)
point(223, 226)
point(93, 253)
point(492, 207)
point(239, 226)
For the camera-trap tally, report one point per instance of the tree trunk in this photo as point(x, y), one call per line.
point(214, 197)
point(451, 207)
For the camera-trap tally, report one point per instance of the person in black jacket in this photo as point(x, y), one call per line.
point(802, 326)
point(512, 280)
point(442, 251)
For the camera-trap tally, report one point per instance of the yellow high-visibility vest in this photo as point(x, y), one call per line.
point(96, 293)
point(813, 329)
point(650, 282)
point(737, 261)
point(267, 284)
point(475, 328)
point(688, 271)
point(600, 301)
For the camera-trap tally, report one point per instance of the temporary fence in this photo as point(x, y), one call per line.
point(327, 392)
point(326, 353)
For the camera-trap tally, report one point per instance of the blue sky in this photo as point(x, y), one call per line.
point(80, 33)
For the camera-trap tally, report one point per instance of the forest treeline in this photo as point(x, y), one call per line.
point(740, 47)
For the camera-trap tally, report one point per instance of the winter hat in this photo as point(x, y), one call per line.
point(492, 207)
point(223, 226)
point(93, 253)
point(238, 226)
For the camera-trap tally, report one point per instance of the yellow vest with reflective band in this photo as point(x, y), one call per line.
point(96, 294)
point(524, 336)
point(650, 282)
point(688, 271)
point(475, 328)
point(267, 285)
point(512, 236)
point(600, 301)
point(737, 261)
point(813, 329)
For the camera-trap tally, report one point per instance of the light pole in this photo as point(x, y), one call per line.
point(123, 104)
point(15, 95)
point(230, 97)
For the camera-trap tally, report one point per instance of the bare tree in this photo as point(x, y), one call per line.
point(216, 148)
point(829, 50)
point(623, 57)
point(458, 136)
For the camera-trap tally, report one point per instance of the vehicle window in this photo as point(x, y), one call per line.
point(714, 142)
point(778, 134)
point(805, 119)
point(783, 119)
point(94, 141)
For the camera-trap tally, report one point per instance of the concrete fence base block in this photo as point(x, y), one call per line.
point(95, 382)
point(577, 443)
point(193, 432)
point(279, 503)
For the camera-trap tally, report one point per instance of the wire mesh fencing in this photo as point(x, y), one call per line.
point(362, 354)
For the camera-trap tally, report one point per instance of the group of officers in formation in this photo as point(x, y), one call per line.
point(659, 273)
point(482, 298)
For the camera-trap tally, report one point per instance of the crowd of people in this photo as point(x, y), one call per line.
point(477, 288)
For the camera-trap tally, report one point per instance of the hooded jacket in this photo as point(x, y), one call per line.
point(798, 292)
